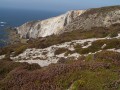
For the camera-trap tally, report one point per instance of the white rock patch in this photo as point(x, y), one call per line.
point(42, 63)
point(46, 56)
point(103, 46)
point(2, 56)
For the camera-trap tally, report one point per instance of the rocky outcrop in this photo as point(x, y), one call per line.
point(63, 51)
point(47, 27)
point(97, 17)
point(72, 20)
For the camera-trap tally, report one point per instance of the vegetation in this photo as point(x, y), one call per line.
point(93, 72)
point(60, 51)
point(20, 50)
point(97, 45)
point(99, 11)
point(7, 65)
point(96, 32)
point(98, 73)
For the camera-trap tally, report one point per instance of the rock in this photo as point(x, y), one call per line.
point(2, 57)
point(47, 27)
point(72, 20)
point(97, 17)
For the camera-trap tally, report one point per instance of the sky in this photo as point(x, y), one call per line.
point(56, 5)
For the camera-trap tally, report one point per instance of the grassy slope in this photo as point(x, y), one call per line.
point(94, 72)
point(97, 32)
point(98, 72)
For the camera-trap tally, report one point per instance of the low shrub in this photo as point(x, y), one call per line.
point(113, 34)
point(73, 75)
point(108, 55)
point(60, 51)
point(69, 52)
point(97, 45)
point(19, 50)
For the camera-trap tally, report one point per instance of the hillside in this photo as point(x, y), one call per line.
point(85, 55)
point(70, 21)
point(96, 17)
point(35, 29)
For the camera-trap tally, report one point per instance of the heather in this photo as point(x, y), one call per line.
point(93, 72)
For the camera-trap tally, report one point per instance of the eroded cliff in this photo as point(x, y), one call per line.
point(47, 27)
point(72, 20)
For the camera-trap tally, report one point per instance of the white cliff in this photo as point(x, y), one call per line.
point(72, 20)
point(47, 27)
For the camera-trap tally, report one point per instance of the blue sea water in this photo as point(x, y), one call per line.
point(15, 17)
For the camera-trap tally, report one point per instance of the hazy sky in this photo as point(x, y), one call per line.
point(56, 5)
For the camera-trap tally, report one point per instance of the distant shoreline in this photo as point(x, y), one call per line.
point(17, 17)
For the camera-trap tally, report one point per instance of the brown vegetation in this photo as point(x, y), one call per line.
point(98, 73)
point(96, 32)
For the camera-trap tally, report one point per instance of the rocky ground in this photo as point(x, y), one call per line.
point(54, 53)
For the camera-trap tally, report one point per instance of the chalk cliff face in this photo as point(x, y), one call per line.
point(72, 20)
point(47, 27)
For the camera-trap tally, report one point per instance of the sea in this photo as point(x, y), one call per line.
point(17, 17)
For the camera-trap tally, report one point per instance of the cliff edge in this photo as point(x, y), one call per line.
point(47, 27)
